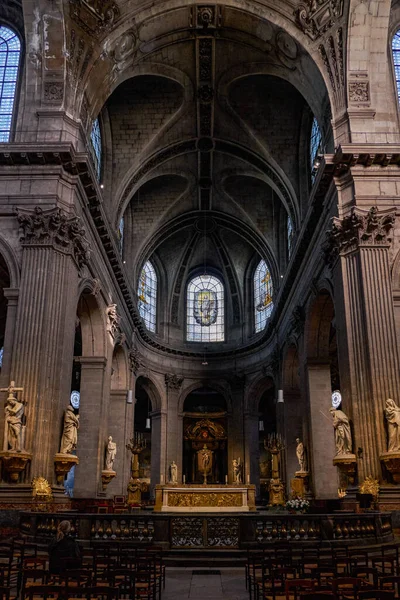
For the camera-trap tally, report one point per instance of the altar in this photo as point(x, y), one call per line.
point(205, 498)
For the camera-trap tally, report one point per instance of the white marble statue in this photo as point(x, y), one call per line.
point(173, 472)
point(69, 438)
point(343, 440)
point(392, 414)
point(237, 470)
point(301, 455)
point(111, 452)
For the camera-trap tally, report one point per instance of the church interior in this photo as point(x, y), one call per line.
point(200, 288)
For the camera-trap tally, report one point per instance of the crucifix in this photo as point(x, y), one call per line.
point(11, 389)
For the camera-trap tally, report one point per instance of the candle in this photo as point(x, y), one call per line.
point(184, 479)
point(248, 479)
point(226, 479)
point(162, 478)
point(280, 395)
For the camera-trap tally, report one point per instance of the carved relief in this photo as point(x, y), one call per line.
point(56, 228)
point(358, 91)
point(358, 230)
point(53, 91)
point(113, 320)
point(315, 17)
point(298, 320)
point(332, 57)
point(205, 59)
point(94, 16)
point(134, 360)
point(172, 381)
point(220, 499)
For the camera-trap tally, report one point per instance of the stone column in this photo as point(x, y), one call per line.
point(252, 450)
point(236, 428)
point(173, 439)
point(322, 442)
point(120, 427)
point(158, 446)
point(54, 250)
point(92, 432)
point(370, 357)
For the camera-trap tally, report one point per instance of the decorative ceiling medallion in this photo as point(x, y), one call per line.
point(315, 17)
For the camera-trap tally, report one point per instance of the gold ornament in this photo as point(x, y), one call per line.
point(370, 486)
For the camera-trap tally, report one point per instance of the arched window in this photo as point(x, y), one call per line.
point(396, 60)
point(205, 309)
point(315, 148)
point(10, 51)
point(121, 236)
point(263, 290)
point(147, 296)
point(95, 138)
point(290, 235)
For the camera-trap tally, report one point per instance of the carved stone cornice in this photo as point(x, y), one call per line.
point(172, 381)
point(358, 230)
point(55, 228)
point(315, 17)
point(134, 360)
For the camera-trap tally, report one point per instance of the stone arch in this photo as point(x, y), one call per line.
point(93, 325)
point(152, 390)
point(318, 324)
point(199, 383)
point(256, 390)
point(11, 261)
point(119, 369)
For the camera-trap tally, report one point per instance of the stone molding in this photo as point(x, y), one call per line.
point(172, 381)
point(357, 230)
point(94, 16)
point(54, 228)
point(314, 18)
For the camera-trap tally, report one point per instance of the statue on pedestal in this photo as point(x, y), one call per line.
point(173, 471)
point(111, 451)
point(14, 420)
point(237, 470)
point(301, 456)
point(392, 414)
point(69, 438)
point(343, 440)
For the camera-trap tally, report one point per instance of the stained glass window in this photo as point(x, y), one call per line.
point(396, 60)
point(290, 234)
point(147, 296)
point(10, 50)
point(315, 148)
point(95, 138)
point(205, 309)
point(263, 291)
point(121, 236)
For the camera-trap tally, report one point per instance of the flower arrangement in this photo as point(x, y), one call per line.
point(298, 504)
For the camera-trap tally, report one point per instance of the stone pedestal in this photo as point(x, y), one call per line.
point(106, 477)
point(63, 463)
point(346, 464)
point(391, 461)
point(14, 463)
point(299, 484)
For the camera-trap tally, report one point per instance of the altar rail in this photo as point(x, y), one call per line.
point(213, 531)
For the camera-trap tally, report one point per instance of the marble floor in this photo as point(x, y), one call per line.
point(183, 583)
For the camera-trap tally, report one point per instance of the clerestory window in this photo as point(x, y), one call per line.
point(263, 292)
point(10, 53)
point(205, 309)
point(147, 296)
point(396, 60)
point(95, 139)
point(315, 148)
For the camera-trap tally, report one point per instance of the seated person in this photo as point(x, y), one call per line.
point(64, 552)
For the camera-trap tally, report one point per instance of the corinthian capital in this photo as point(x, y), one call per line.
point(54, 227)
point(172, 381)
point(358, 230)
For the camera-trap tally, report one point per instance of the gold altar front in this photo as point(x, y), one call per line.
point(205, 498)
